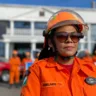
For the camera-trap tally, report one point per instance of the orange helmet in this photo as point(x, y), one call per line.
point(65, 17)
point(15, 52)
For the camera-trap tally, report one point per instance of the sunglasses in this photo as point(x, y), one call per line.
point(63, 36)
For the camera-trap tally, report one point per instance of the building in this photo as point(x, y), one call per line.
point(24, 26)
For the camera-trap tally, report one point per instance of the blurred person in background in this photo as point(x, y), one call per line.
point(85, 55)
point(94, 57)
point(88, 57)
point(37, 56)
point(14, 69)
point(81, 54)
point(58, 72)
point(26, 60)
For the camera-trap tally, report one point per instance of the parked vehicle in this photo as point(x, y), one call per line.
point(4, 70)
point(5, 67)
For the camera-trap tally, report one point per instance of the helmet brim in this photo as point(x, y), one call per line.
point(68, 22)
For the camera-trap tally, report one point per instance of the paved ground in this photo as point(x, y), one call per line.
point(5, 91)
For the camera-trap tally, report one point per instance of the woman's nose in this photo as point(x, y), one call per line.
point(69, 40)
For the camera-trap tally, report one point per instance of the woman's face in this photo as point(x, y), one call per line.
point(66, 45)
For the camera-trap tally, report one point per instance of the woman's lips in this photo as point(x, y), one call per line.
point(69, 48)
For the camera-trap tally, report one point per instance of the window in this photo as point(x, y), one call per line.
point(21, 24)
point(93, 48)
point(2, 30)
point(39, 45)
point(41, 13)
point(2, 49)
point(40, 25)
point(93, 32)
point(79, 46)
point(6, 23)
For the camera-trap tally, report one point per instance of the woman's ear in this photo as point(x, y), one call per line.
point(50, 43)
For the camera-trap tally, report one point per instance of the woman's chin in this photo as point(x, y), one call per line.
point(69, 54)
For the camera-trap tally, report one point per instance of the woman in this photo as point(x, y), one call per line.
point(26, 60)
point(58, 72)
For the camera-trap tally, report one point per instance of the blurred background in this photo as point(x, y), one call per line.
point(22, 23)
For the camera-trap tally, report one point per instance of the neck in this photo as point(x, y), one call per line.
point(28, 57)
point(65, 62)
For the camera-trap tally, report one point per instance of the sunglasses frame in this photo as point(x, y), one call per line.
point(75, 36)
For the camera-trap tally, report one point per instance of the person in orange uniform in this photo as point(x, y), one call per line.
point(87, 57)
point(14, 69)
point(58, 72)
point(37, 56)
point(26, 60)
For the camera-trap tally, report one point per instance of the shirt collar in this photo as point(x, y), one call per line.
point(79, 64)
point(86, 67)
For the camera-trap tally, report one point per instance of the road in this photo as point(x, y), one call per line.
point(5, 91)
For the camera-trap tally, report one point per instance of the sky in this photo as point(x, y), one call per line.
point(63, 3)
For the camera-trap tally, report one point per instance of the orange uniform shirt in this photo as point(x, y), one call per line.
point(25, 60)
point(88, 59)
point(14, 63)
point(48, 78)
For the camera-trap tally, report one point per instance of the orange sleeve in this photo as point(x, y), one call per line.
point(31, 86)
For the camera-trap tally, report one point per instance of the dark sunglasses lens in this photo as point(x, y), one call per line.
point(62, 37)
point(76, 37)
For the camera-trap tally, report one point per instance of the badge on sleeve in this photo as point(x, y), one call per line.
point(24, 81)
point(90, 80)
point(25, 77)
